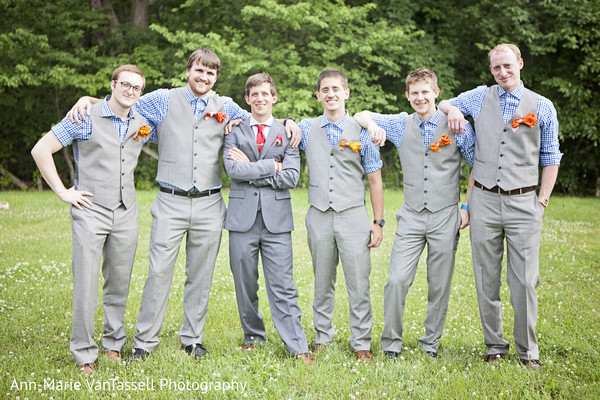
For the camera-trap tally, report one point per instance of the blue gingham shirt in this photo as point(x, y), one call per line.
point(470, 103)
point(67, 132)
point(371, 160)
point(154, 107)
point(395, 125)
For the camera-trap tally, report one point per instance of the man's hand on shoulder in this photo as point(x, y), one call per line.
point(231, 124)
point(294, 133)
point(77, 113)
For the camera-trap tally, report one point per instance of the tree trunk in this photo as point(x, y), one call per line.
point(139, 13)
point(106, 7)
point(15, 179)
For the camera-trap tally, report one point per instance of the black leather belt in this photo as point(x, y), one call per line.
point(496, 189)
point(190, 194)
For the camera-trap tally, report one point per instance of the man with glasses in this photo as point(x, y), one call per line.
point(188, 125)
point(104, 209)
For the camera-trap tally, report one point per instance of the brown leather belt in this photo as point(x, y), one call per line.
point(496, 189)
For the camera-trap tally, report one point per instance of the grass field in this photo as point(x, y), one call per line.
point(35, 322)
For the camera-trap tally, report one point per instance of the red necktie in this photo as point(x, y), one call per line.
point(260, 137)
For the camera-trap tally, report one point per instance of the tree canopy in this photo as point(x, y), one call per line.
point(55, 52)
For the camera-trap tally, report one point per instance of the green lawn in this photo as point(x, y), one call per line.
point(35, 322)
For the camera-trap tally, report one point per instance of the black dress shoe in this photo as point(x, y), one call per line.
point(196, 349)
point(494, 357)
point(432, 355)
point(137, 355)
point(391, 355)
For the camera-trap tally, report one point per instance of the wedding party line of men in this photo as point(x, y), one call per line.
point(515, 132)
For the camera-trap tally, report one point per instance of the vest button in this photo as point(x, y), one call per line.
point(497, 180)
point(256, 194)
point(425, 179)
point(501, 155)
point(502, 142)
point(426, 154)
point(331, 166)
point(196, 127)
point(331, 178)
point(499, 167)
point(425, 191)
point(425, 203)
point(505, 130)
point(425, 167)
point(330, 201)
point(331, 190)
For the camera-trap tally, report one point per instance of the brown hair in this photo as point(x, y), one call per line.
point(258, 79)
point(205, 57)
point(506, 47)
point(332, 73)
point(128, 68)
point(421, 74)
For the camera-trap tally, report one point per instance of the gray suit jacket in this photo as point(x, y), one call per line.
point(255, 185)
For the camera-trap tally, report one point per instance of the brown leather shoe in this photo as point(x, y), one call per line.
point(87, 369)
point(364, 355)
point(494, 357)
point(532, 364)
point(318, 348)
point(306, 358)
point(112, 355)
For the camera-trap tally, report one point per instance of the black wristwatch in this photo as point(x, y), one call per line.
point(380, 222)
point(286, 120)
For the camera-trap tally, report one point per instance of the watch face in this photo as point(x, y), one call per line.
point(379, 222)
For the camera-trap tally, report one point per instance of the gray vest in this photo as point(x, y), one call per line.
point(106, 164)
point(335, 175)
point(502, 157)
point(431, 180)
point(188, 151)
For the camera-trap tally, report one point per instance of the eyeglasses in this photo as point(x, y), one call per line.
point(126, 86)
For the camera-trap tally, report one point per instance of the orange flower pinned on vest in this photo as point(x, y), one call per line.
point(530, 120)
point(143, 132)
point(218, 115)
point(355, 146)
point(444, 140)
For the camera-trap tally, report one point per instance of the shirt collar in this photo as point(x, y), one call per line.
point(193, 98)
point(433, 120)
point(268, 122)
point(107, 112)
point(518, 92)
point(339, 123)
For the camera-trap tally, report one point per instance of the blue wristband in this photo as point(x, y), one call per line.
point(464, 207)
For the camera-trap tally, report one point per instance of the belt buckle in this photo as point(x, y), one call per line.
point(189, 195)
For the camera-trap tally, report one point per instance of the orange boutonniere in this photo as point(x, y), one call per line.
point(355, 146)
point(445, 139)
point(218, 115)
point(143, 132)
point(530, 120)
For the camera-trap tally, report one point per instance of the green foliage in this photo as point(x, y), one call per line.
point(54, 52)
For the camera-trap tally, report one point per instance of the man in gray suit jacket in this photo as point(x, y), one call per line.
point(263, 166)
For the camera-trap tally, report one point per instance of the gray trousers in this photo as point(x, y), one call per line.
point(277, 260)
point(201, 221)
point(440, 231)
point(109, 236)
point(519, 219)
point(333, 236)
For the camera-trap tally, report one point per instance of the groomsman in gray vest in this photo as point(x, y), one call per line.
point(338, 154)
point(430, 157)
point(188, 123)
point(104, 210)
point(263, 166)
point(517, 131)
